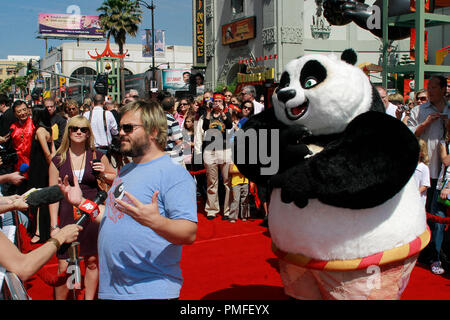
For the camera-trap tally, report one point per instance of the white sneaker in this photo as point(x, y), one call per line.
point(436, 268)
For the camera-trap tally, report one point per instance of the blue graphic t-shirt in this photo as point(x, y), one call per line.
point(134, 261)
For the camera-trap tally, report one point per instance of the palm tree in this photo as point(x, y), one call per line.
point(119, 18)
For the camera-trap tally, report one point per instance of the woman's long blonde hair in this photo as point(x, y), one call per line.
point(77, 121)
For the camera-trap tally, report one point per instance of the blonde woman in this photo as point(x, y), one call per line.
point(74, 158)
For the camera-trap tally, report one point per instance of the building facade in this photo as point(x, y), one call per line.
point(72, 59)
point(283, 30)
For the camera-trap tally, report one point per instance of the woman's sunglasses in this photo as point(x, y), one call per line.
point(75, 129)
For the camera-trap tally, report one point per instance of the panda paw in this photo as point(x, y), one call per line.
point(295, 134)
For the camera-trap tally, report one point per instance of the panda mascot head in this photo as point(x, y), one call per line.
point(324, 93)
point(344, 199)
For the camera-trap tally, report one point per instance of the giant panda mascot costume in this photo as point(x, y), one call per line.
point(345, 215)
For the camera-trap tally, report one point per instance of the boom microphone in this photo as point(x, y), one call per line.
point(44, 196)
point(87, 215)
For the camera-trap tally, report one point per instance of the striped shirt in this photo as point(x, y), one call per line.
point(174, 133)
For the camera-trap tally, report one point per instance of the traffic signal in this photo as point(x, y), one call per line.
point(36, 94)
point(101, 84)
point(29, 67)
point(86, 90)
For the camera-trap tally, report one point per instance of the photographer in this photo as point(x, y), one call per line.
point(216, 155)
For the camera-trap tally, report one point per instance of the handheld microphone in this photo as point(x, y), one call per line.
point(87, 215)
point(43, 196)
point(99, 199)
point(23, 168)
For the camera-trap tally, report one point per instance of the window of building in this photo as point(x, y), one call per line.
point(85, 73)
point(237, 7)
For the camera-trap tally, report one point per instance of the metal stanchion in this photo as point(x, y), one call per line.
point(74, 268)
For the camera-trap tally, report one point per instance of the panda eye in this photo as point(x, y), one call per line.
point(310, 82)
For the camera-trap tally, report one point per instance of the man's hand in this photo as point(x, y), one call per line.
point(20, 204)
point(444, 193)
point(73, 194)
point(15, 178)
point(145, 214)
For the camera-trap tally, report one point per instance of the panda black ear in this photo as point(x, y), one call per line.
point(349, 56)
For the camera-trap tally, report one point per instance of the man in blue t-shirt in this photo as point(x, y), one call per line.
point(150, 212)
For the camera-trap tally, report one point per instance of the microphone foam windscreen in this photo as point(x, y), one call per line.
point(23, 168)
point(44, 196)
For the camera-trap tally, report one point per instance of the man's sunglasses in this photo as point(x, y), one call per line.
point(75, 129)
point(129, 127)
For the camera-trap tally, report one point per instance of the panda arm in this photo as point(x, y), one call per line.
point(288, 145)
point(371, 162)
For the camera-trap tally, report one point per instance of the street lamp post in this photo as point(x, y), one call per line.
point(152, 8)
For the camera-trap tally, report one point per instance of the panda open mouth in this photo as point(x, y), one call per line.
point(297, 112)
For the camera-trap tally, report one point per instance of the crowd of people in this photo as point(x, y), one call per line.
point(184, 143)
point(58, 139)
point(427, 113)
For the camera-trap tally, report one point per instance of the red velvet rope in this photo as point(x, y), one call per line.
point(434, 218)
point(197, 172)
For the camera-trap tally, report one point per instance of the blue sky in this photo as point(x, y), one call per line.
point(19, 22)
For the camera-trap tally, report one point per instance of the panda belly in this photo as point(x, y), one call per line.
point(325, 232)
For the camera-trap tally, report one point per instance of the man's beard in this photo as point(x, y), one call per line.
point(137, 148)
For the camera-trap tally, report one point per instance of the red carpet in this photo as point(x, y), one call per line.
point(234, 262)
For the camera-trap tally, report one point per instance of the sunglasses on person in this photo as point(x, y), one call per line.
point(184, 104)
point(129, 127)
point(75, 129)
point(422, 98)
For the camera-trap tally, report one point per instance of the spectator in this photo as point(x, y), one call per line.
point(7, 118)
point(427, 122)
point(391, 109)
point(182, 110)
point(58, 122)
point(103, 125)
point(235, 100)
point(437, 208)
point(141, 236)
point(240, 191)
point(87, 106)
point(71, 108)
point(188, 140)
point(246, 112)
point(249, 93)
point(422, 173)
point(227, 94)
point(199, 83)
point(22, 133)
point(42, 151)
point(174, 134)
point(74, 159)
point(113, 107)
point(420, 97)
point(217, 156)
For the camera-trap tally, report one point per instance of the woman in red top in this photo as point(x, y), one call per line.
point(22, 133)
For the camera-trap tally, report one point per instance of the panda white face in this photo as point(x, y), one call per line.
point(322, 93)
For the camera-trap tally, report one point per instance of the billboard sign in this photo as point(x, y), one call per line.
point(172, 80)
point(239, 31)
point(69, 25)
